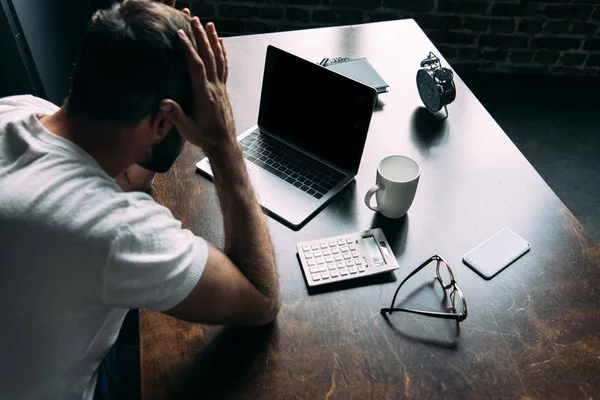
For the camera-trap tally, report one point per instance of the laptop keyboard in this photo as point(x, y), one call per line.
point(290, 165)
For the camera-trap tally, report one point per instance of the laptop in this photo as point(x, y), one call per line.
point(308, 143)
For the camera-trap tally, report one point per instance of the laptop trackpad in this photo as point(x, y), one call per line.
point(279, 197)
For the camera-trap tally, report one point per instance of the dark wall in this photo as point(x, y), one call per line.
point(546, 36)
point(52, 30)
point(13, 75)
point(531, 36)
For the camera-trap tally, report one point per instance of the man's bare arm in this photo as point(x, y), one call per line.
point(239, 285)
point(135, 178)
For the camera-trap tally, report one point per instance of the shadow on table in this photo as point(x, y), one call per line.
point(395, 231)
point(379, 105)
point(379, 279)
point(427, 130)
point(226, 364)
point(425, 329)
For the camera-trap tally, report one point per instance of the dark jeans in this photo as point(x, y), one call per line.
point(119, 371)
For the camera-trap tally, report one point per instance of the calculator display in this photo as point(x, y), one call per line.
point(371, 245)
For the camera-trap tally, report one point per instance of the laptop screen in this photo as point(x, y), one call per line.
point(316, 109)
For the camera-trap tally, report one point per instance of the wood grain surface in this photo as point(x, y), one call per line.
point(531, 332)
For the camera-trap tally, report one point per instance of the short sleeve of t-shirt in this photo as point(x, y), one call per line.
point(152, 263)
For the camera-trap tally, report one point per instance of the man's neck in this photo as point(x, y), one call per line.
point(102, 141)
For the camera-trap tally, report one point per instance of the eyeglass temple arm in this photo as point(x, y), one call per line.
point(459, 316)
point(420, 267)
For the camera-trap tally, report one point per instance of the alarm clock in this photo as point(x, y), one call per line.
point(435, 84)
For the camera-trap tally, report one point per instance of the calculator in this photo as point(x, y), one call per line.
point(344, 257)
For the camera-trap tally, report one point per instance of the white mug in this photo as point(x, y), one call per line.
point(396, 185)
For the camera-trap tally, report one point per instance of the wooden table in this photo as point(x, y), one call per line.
point(532, 331)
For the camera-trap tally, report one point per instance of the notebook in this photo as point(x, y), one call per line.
point(361, 70)
point(309, 139)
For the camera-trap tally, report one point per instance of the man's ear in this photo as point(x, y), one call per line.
point(160, 125)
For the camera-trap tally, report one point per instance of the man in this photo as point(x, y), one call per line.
point(76, 250)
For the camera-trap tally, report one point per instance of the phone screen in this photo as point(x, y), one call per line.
point(496, 253)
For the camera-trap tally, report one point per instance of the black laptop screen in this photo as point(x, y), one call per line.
point(316, 109)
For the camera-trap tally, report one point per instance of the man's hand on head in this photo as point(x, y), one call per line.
point(211, 124)
point(135, 179)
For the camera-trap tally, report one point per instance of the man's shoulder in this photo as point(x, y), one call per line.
point(131, 208)
point(73, 200)
point(28, 102)
point(104, 208)
point(112, 214)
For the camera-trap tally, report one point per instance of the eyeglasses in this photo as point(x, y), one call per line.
point(459, 314)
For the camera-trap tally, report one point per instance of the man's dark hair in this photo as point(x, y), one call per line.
point(130, 59)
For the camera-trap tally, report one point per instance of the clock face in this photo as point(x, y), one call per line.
point(428, 91)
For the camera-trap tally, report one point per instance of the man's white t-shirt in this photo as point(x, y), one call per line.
point(76, 252)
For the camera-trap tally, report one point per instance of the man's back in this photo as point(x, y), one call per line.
point(75, 253)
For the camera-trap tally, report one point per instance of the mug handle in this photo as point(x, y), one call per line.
point(370, 194)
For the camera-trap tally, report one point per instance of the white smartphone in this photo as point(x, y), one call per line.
point(496, 253)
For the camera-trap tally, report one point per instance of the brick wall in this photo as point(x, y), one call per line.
point(509, 36)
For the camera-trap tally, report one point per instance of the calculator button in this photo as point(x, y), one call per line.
point(343, 248)
point(320, 260)
point(323, 245)
point(354, 254)
point(347, 256)
point(314, 270)
point(326, 252)
point(308, 254)
point(341, 242)
point(332, 243)
point(352, 246)
point(361, 268)
point(358, 261)
point(328, 259)
point(343, 272)
point(341, 264)
point(338, 257)
point(334, 274)
point(349, 263)
point(318, 253)
point(305, 248)
point(310, 262)
point(335, 250)
point(352, 270)
point(315, 247)
point(325, 275)
point(349, 240)
point(316, 277)
point(332, 266)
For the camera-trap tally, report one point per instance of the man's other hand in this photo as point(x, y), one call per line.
point(135, 179)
